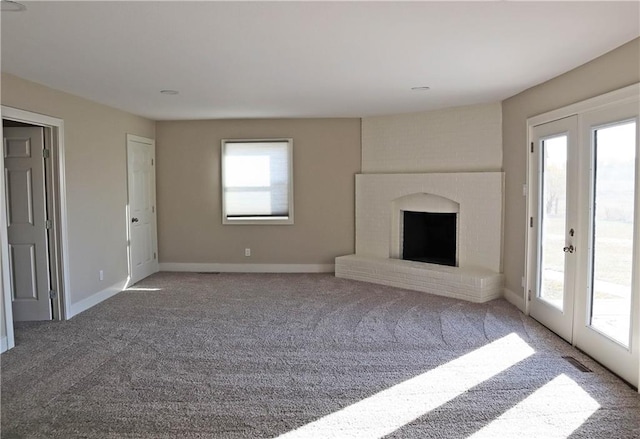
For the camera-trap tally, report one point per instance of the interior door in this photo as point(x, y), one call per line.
point(26, 222)
point(143, 258)
point(554, 169)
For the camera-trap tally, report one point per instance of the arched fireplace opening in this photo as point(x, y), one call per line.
point(424, 228)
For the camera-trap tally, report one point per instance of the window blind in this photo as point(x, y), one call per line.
point(256, 179)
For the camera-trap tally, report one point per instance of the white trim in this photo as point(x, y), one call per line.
point(139, 139)
point(515, 299)
point(64, 231)
point(7, 319)
point(96, 298)
point(247, 268)
point(29, 117)
point(57, 125)
point(620, 96)
point(3, 344)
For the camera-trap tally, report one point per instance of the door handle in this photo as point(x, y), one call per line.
point(569, 249)
point(134, 220)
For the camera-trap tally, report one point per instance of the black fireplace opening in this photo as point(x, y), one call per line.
point(429, 237)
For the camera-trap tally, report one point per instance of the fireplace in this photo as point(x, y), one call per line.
point(429, 237)
point(472, 201)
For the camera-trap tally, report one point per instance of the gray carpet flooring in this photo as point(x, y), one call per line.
point(301, 356)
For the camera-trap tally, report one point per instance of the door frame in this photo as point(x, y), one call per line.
point(621, 96)
point(54, 132)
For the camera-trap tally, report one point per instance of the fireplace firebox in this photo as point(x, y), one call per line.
point(429, 237)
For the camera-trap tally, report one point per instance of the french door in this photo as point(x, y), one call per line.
point(584, 273)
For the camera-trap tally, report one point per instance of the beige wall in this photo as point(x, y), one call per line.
point(326, 157)
point(616, 69)
point(96, 177)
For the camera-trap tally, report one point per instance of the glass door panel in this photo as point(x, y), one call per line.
point(614, 151)
point(552, 214)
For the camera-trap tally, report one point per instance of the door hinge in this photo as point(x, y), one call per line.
point(530, 221)
point(154, 255)
point(151, 162)
point(48, 224)
point(46, 153)
point(531, 146)
point(529, 296)
point(153, 209)
point(53, 294)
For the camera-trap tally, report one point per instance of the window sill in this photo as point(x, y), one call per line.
point(273, 221)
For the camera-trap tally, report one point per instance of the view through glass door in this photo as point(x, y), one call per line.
point(585, 226)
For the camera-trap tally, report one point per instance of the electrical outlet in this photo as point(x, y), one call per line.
point(101, 274)
point(247, 252)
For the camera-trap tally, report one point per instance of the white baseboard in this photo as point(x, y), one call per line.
point(4, 345)
point(515, 299)
point(94, 299)
point(247, 268)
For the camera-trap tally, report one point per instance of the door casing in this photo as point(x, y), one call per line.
point(54, 130)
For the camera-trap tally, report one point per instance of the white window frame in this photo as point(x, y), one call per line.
point(288, 220)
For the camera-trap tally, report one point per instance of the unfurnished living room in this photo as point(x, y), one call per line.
point(320, 219)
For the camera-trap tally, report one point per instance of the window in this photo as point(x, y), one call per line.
point(257, 181)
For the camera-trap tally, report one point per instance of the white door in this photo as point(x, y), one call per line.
point(585, 228)
point(143, 253)
point(607, 322)
point(26, 222)
point(554, 169)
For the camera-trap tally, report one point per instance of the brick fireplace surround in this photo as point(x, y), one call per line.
point(379, 201)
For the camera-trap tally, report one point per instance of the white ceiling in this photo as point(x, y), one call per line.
point(305, 59)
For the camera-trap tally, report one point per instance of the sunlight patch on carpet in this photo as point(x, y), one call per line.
point(555, 410)
point(390, 409)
